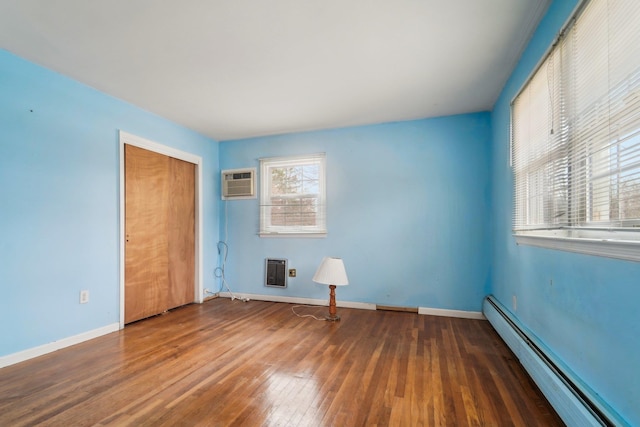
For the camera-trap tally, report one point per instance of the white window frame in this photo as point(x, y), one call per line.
point(560, 225)
point(267, 229)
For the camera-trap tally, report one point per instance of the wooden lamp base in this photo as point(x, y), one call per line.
point(333, 316)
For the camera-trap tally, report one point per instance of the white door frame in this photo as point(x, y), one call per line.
point(127, 138)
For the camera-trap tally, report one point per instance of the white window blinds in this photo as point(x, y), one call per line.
point(576, 127)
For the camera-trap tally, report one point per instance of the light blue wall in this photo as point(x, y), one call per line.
point(59, 196)
point(583, 307)
point(408, 208)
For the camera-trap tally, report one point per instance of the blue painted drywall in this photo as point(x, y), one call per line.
point(407, 207)
point(583, 308)
point(59, 197)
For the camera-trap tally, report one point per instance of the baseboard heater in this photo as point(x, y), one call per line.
point(573, 400)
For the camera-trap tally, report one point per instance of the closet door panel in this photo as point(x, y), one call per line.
point(146, 219)
point(181, 248)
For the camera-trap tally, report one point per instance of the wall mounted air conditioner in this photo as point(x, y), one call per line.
point(239, 184)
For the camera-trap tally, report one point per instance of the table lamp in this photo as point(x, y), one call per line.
point(331, 272)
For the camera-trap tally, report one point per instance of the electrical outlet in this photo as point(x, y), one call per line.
point(84, 297)
point(292, 272)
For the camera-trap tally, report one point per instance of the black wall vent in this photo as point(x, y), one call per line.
point(275, 273)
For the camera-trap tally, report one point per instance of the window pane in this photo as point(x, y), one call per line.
point(286, 180)
point(292, 197)
point(576, 126)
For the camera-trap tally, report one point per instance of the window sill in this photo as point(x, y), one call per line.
point(597, 243)
point(294, 235)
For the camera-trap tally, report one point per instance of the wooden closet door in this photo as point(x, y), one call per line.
point(182, 244)
point(159, 233)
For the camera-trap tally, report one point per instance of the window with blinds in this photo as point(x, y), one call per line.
point(576, 130)
point(292, 200)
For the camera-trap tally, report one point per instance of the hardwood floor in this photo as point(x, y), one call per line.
point(226, 363)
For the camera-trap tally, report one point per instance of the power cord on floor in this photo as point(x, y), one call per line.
point(306, 315)
point(223, 251)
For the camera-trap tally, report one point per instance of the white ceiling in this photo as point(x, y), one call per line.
point(239, 68)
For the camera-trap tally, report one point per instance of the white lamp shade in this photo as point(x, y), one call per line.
point(331, 272)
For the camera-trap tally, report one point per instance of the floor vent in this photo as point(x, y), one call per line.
point(275, 273)
point(397, 308)
point(575, 402)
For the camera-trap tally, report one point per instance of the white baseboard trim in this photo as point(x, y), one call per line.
point(350, 304)
point(30, 353)
point(451, 313)
point(298, 300)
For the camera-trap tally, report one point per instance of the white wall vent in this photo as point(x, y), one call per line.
point(239, 184)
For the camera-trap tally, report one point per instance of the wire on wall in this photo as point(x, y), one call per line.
point(223, 252)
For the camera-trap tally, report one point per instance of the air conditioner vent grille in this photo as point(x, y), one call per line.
point(239, 184)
